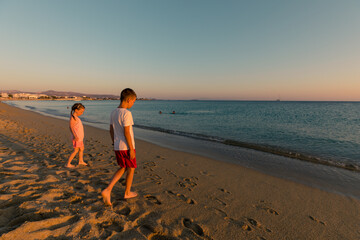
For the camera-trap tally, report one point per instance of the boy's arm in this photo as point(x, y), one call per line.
point(129, 141)
point(112, 134)
point(71, 125)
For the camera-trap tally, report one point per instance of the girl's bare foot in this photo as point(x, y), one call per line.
point(106, 197)
point(130, 195)
point(69, 166)
point(83, 163)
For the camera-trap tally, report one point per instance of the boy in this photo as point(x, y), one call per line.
point(122, 136)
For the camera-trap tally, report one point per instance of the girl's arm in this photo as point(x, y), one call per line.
point(129, 141)
point(72, 124)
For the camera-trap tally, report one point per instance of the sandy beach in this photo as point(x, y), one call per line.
point(181, 195)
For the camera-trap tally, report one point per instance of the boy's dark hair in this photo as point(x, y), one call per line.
point(76, 106)
point(126, 93)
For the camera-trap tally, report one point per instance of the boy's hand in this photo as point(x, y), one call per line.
point(132, 154)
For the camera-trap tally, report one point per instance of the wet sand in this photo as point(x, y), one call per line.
point(181, 195)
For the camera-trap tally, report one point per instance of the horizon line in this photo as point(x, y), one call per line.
point(193, 99)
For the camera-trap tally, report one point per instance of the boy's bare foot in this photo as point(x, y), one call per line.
point(106, 197)
point(130, 195)
point(83, 163)
point(70, 166)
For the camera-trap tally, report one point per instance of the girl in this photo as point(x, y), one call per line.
point(77, 132)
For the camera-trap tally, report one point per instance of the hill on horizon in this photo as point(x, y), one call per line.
point(64, 94)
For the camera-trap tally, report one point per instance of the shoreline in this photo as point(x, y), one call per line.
point(261, 148)
point(182, 195)
point(266, 148)
point(335, 179)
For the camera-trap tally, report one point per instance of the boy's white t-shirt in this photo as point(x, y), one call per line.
point(120, 118)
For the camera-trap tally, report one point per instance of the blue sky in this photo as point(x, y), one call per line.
point(253, 50)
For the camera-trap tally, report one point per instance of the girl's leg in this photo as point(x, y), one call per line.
point(72, 155)
point(81, 157)
point(129, 180)
point(107, 191)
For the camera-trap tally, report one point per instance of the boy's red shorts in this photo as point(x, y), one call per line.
point(123, 159)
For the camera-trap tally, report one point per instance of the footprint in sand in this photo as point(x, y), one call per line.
point(124, 211)
point(193, 226)
point(155, 178)
point(149, 165)
point(316, 220)
point(221, 202)
point(149, 224)
point(153, 199)
point(217, 211)
point(188, 183)
point(225, 191)
point(267, 209)
point(241, 224)
point(218, 200)
point(182, 197)
point(257, 224)
point(169, 172)
point(86, 229)
point(272, 211)
point(206, 173)
point(30, 217)
point(113, 225)
point(38, 226)
point(253, 222)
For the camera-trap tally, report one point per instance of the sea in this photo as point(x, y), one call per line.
point(313, 143)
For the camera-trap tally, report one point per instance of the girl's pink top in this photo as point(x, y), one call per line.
point(78, 129)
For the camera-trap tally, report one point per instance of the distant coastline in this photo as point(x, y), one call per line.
point(56, 95)
point(69, 99)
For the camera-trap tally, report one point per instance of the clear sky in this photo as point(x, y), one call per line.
point(184, 49)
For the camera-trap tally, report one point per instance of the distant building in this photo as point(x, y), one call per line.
point(29, 96)
point(33, 96)
point(4, 95)
point(18, 95)
point(73, 98)
point(43, 96)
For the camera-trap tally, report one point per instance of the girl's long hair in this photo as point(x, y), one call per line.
point(76, 106)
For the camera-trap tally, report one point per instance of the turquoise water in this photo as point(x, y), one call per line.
point(322, 132)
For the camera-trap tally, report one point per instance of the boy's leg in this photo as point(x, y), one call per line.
point(129, 180)
point(71, 157)
point(107, 191)
point(81, 157)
